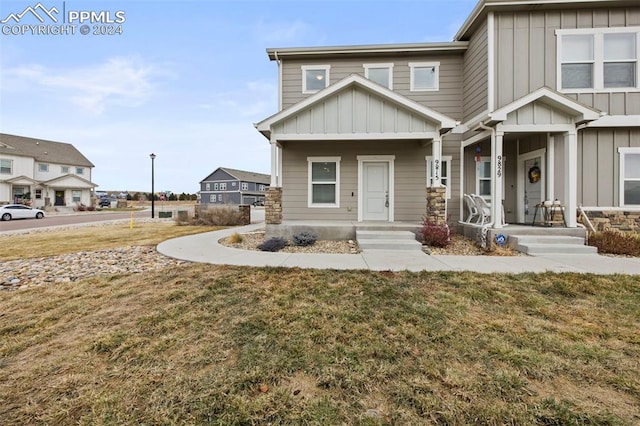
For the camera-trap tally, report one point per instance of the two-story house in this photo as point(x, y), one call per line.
point(45, 172)
point(231, 186)
point(531, 101)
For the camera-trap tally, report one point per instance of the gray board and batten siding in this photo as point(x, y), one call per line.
point(475, 83)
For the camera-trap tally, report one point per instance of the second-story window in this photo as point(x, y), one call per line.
point(245, 186)
point(314, 78)
point(79, 170)
point(64, 170)
point(207, 187)
point(223, 186)
point(424, 76)
point(43, 167)
point(380, 73)
point(6, 166)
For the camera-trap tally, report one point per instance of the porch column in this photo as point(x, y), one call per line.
point(571, 178)
point(276, 164)
point(497, 175)
point(273, 197)
point(550, 168)
point(436, 153)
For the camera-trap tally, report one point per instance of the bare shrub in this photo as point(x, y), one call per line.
point(435, 235)
point(216, 216)
point(616, 242)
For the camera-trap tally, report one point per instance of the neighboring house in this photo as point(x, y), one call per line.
point(547, 88)
point(230, 186)
point(48, 173)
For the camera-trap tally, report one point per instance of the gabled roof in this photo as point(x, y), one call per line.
point(42, 150)
point(81, 182)
point(243, 176)
point(22, 180)
point(366, 50)
point(580, 112)
point(443, 122)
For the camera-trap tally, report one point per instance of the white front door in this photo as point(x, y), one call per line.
point(533, 187)
point(375, 191)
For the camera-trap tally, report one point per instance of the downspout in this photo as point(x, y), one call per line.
point(279, 62)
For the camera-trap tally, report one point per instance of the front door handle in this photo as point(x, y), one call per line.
point(386, 201)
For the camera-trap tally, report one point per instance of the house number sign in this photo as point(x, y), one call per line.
point(499, 166)
point(436, 170)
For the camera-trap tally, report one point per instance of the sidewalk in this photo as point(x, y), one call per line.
point(206, 249)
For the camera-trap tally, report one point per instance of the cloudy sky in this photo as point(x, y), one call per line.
point(185, 80)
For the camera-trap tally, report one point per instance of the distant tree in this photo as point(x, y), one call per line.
point(173, 197)
point(129, 197)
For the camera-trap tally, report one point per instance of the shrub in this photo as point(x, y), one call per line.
point(235, 238)
point(273, 244)
point(616, 242)
point(304, 239)
point(435, 235)
point(216, 216)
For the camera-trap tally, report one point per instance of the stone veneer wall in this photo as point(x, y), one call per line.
point(245, 212)
point(618, 220)
point(437, 205)
point(273, 206)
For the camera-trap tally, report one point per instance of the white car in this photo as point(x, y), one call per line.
point(19, 211)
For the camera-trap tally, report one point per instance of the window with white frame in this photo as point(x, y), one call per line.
point(315, 78)
point(79, 170)
point(629, 176)
point(76, 196)
point(262, 188)
point(64, 170)
point(223, 186)
point(424, 76)
point(43, 167)
point(483, 177)
point(207, 187)
point(598, 59)
point(245, 186)
point(445, 167)
point(324, 181)
point(212, 198)
point(380, 73)
point(215, 186)
point(6, 166)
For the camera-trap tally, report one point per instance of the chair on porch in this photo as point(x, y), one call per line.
point(484, 209)
point(474, 214)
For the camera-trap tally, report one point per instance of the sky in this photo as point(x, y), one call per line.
point(185, 80)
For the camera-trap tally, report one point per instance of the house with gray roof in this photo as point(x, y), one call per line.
point(46, 172)
point(231, 186)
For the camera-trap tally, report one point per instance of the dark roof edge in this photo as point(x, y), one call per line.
point(275, 53)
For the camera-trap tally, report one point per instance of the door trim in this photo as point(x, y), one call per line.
point(543, 177)
point(390, 160)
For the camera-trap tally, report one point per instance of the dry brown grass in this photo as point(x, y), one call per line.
point(87, 238)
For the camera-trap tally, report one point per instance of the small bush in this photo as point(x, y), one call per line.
point(304, 239)
point(215, 216)
point(435, 235)
point(616, 242)
point(235, 238)
point(273, 244)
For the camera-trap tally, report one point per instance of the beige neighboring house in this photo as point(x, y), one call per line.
point(46, 172)
point(532, 101)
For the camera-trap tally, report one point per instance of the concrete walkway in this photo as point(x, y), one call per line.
point(206, 249)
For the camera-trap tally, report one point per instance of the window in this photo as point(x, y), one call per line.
point(380, 73)
point(223, 186)
point(424, 76)
point(79, 170)
point(43, 167)
point(207, 186)
point(262, 188)
point(215, 186)
point(212, 198)
point(64, 169)
point(76, 196)
point(315, 78)
point(483, 177)
point(629, 176)
point(598, 59)
point(38, 194)
point(324, 181)
point(245, 186)
point(6, 167)
point(444, 172)
point(233, 184)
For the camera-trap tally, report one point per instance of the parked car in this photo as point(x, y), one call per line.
point(258, 203)
point(19, 211)
point(106, 202)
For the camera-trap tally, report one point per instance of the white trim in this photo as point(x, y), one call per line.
point(490, 62)
point(449, 160)
point(476, 138)
point(327, 78)
point(537, 128)
point(390, 159)
point(387, 65)
point(621, 154)
point(551, 161)
point(310, 161)
point(571, 178)
point(436, 70)
point(616, 121)
point(611, 209)
point(539, 153)
point(357, 136)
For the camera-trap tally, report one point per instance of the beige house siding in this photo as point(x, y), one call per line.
point(410, 177)
point(475, 73)
point(526, 49)
point(447, 100)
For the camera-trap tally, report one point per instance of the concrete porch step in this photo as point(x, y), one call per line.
point(544, 245)
point(387, 240)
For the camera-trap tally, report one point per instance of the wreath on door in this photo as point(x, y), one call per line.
point(534, 174)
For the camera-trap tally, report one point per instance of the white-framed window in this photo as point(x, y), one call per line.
point(445, 172)
point(233, 184)
point(380, 73)
point(315, 78)
point(38, 194)
point(483, 177)
point(42, 167)
point(262, 188)
point(212, 198)
point(79, 170)
point(324, 181)
point(245, 186)
point(76, 196)
point(223, 186)
point(629, 176)
point(6, 166)
point(215, 187)
point(598, 59)
point(207, 186)
point(425, 76)
point(64, 170)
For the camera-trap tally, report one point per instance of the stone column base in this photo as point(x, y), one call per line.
point(436, 205)
point(273, 206)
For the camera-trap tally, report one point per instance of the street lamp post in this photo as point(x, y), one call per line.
point(153, 193)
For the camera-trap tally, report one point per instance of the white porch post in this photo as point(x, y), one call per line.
point(497, 177)
point(571, 178)
point(275, 164)
point(550, 168)
point(436, 153)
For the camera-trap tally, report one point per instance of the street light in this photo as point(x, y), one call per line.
point(153, 194)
